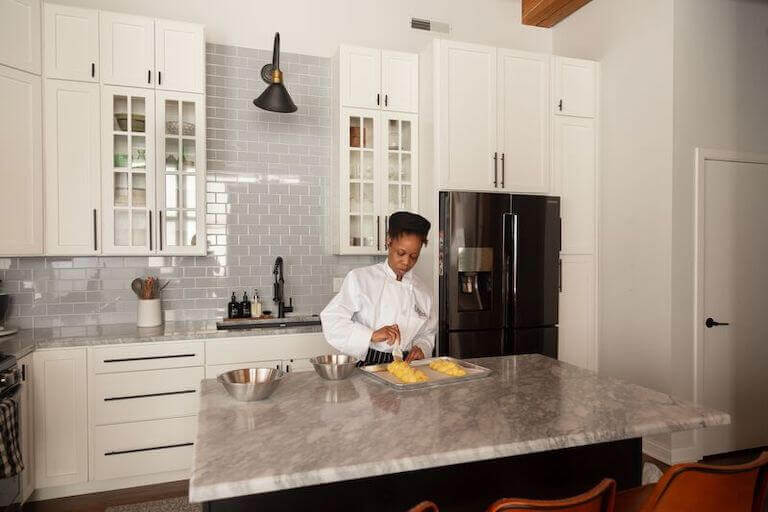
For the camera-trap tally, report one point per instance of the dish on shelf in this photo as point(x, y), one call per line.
point(138, 122)
point(121, 159)
point(171, 160)
point(187, 128)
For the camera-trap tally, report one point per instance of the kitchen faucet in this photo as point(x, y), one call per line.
point(279, 289)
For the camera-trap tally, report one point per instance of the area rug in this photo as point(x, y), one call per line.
point(170, 505)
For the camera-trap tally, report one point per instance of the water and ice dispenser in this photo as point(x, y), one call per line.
point(475, 267)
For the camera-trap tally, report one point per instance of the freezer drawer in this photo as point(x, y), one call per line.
point(468, 344)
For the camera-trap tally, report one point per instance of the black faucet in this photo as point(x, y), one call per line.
point(278, 290)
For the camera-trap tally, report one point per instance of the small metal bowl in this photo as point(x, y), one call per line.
point(334, 366)
point(250, 384)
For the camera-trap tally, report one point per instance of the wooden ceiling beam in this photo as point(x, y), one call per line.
point(548, 13)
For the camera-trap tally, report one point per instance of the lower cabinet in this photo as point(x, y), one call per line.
point(578, 303)
point(61, 417)
point(26, 401)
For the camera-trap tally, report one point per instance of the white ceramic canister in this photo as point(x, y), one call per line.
point(149, 313)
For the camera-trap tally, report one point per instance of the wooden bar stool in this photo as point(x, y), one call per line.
point(599, 499)
point(425, 506)
point(703, 488)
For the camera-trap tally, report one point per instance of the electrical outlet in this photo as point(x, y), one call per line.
point(337, 284)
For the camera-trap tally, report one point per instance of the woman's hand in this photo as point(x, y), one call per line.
point(414, 355)
point(388, 333)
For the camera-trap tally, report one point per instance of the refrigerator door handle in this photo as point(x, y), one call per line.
point(560, 275)
point(515, 241)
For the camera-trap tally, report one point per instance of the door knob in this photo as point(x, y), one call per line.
point(710, 323)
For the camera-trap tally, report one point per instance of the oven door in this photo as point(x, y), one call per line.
point(10, 488)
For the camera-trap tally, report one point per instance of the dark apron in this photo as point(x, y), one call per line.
point(378, 357)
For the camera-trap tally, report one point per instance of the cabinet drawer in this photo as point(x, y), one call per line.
point(147, 395)
point(264, 348)
point(130, 358)
point(143, 448)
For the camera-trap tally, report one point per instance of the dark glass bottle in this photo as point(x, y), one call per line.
point(233, 308)
point(245, 307)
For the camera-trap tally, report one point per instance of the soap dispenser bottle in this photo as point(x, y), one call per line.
point(256, 306)
point(233, 308)
point(245, 306)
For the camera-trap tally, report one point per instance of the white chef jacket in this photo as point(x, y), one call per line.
point(372, 297)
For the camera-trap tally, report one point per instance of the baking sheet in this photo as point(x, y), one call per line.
point(379, 373)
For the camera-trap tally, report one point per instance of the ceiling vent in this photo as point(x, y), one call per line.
point(430, 25)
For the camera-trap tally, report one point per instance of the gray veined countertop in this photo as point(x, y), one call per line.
point(312, 431)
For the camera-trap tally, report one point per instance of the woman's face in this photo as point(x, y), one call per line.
point(403, 253)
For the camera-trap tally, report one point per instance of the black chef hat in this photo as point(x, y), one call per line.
point(401, 223)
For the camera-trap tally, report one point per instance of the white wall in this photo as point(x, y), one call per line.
point(316, 27)
point(633, 42)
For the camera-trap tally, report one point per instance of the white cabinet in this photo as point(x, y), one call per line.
point(72, 175)
point(26, 403)
point(400, 81)
point(128, 170)
point(523, 129)
point(575, 87)
point(298, 365)
point(20, 34)
point(21, 172)
point(127, 50)
point(180, 56)
point(399, 164)
point(466, 118)
point(71, 43)
point(577, 326)
point(575, 168)
point(378, 79)
point(61, 417)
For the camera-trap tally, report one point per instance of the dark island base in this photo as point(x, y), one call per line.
point(461, 487)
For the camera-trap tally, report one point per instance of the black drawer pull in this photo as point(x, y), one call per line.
point(148, 395)
point(137, 450)
point(127, 359)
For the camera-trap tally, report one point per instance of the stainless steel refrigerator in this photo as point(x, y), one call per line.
point(500, 274)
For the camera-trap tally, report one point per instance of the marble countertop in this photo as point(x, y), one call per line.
point(27, 340)
point(312, 431)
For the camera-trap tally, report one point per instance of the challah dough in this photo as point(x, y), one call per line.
point(405, 373)
point(447, 367)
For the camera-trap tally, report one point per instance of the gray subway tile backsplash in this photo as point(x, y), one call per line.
point(267, 192)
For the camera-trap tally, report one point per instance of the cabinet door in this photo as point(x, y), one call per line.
point(61, 417)
point(523, 106)
point(360, 229)
point(71, 43)
point(128, 174)
point(72, 175)
point(21, 171)
point(127, 50)
point(400, 81)
point(399, 166)
point(576, 182)
point(467, 126)
point(575, 87)
point(360, 77)
point(181, 173)
point(20, 34)
point(180, 56)
point(26, 400)
point(578, 299)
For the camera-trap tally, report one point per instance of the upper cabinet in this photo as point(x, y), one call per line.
point(21, 172)
point(71, 43)
point(378, 79)
point(180, 56)
point(127, 50)
point(575, 87)
point(20, 34)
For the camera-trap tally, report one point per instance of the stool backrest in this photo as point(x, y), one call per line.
point(599, 499)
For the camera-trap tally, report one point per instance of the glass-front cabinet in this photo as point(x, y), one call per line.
point(153, 172)
point(378, 176)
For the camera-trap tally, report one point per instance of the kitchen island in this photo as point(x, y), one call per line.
point(536, 427)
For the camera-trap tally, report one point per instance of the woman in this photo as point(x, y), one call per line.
point(384, 303)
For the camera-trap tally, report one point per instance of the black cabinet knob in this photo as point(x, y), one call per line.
point(710, 323)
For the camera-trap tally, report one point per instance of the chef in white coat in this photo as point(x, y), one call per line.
point(384, 303)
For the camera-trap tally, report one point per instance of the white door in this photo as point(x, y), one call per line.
point(61, 417)
point(26, 400)
point(577, 331)
point(71, 43)
point(128, 170)
point(399, 169)
point(127, 50)
point(575, 87)
point(468, 156)
point(575, 181)
point(400, 81)
point(732, 279)
point(180, 56)
point(20, 34)
point(360, 77)
point(523, 133)
point(180, 173)
point(72, 173)
point(21, 171)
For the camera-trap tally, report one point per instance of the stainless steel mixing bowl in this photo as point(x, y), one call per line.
point(334, 366)
point(249, 384)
